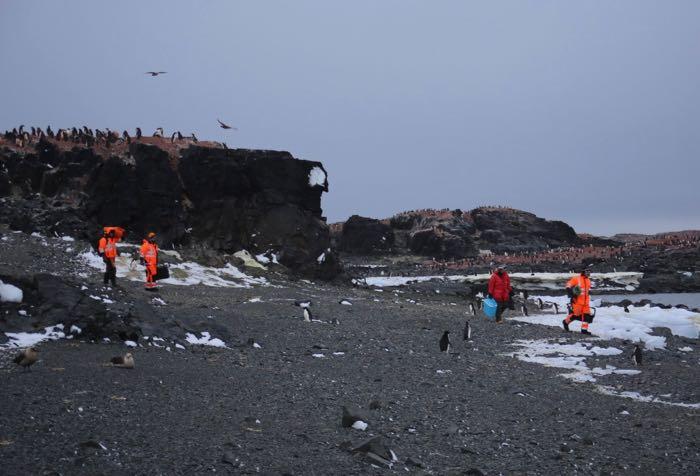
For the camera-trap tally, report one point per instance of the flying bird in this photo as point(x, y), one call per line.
point(125, 362)
point(155, 73)
point(445, 342)
point(226, 126)
point(27, 358)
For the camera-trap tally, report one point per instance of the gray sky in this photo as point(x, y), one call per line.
point(581, 111)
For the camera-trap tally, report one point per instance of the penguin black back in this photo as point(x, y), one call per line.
point(637, 355)
point(445, 342)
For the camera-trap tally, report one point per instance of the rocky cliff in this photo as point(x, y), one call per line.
point(446, 234)
point(199, 197)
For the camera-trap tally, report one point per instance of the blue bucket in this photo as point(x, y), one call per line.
point(490, 306)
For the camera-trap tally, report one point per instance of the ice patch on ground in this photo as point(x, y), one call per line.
point(642, 398)
point(614, 323)
point(205, 339)
point(29, 339)
point(360, 425)
point(317, 177)
point(524, 280)
point(181, 274)
point(10, 293)
point(248, 260)
point(570, 356)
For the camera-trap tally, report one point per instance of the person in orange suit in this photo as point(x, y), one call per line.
point(578, 289)
point(149, 255)
point(107, 249)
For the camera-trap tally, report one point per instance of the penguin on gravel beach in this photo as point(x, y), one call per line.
point(306, 312)
point(637, 355)
point(523, 308)
point(472, 309)
point(467, 331)
point(27, 358)
point(445, 342)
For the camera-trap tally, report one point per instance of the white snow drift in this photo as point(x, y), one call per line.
point(614, 323)
point(181, 274)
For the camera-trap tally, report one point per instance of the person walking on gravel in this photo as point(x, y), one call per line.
point(578, 289)
point(500, 290)
point(107, 249)
point(149, 255)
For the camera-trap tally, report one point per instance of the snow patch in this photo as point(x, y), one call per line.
point(29, 339)
point(68, 238)
point(360, 425)
point(10, 293)
point(130, 343)
point(317, 177)
point(614, 323)
point(205, 339)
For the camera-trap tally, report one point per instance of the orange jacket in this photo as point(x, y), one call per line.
point(149, 252)
point(582, 302)
point(108, 247)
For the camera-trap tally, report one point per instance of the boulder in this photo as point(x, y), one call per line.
point(366, 236)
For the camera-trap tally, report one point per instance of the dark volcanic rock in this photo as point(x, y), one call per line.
point(366, 236)
point(223, 199)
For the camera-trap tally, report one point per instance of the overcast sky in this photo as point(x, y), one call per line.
point(583, 111)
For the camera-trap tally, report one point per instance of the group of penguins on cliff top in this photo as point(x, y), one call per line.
point(86, 136)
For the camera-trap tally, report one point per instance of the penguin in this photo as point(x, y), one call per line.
point(172, 137)
point(556, 308)
point(445, 342)
point(126, 137)
point(179, 135)
point(637, 355)
point(194, 138)
point(158, 132)
point(524, 294)
point(306, 312)
point(49, 132)
point(523, 308)
point(467, 331)
point(540, 304)
point(27, 358)
point(224, 145)
point(125, 362)
point(21, 129)
point(626, 309)
point(138, 133)
point(472, 309)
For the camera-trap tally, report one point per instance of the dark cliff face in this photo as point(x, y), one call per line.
point(225, 199)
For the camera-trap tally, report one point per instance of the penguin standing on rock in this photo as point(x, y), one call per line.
point(445, 342)
point(467, 331)
point(637, 355)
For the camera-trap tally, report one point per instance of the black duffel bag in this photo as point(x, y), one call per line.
point(162, 273)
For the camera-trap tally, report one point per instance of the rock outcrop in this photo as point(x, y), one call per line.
point(366, 236)
point(192, 197)
point(446, 234)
